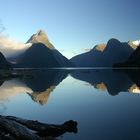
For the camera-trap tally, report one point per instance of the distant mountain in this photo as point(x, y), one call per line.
point(40, 54)
point(3, 62)
point(105, 55)
point(132, 61)
point(37, 56)
point(41, 37)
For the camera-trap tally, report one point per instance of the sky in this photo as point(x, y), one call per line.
point(73, 26)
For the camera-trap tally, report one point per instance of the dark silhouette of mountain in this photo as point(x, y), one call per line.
point(106, 79)
point(41, 37)
point(104, 55)
point(62, 60)
point(37, 56)
point(133, 60)
point(3, 62)
point(40, 54)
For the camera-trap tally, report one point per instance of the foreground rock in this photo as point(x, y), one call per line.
point(13, 128)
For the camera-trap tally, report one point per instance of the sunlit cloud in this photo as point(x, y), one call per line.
point(12, 88)
point(86, 49)
point(137, 42)
point(10, 46)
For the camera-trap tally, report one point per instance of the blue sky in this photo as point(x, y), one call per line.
point(72, 25)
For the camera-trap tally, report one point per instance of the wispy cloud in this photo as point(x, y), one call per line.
point(10, 46)
point(86, 49)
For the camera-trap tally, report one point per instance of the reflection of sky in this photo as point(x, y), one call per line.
point(72, 25)
point(96, 112)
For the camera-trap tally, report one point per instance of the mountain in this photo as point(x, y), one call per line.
point(37, 56)
point(40, 54)
point(3, 62)
point(134, 58)
point(105, 55)
point(41, 37)
point(132, 61)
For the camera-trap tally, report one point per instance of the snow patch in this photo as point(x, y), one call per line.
point(137, 42)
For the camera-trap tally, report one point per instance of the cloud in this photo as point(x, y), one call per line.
point(137, 42)
point(12, 88)
point(86, 49)
point(10, 46)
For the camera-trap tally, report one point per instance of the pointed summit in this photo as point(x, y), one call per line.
point(41, 32)
point(41, 37)
point(104, 55)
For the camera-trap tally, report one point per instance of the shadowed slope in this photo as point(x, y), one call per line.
point(104, 55)
point(133, 60)
point(37, 56)
point(41, 37)
point(3, 62)
point(40, 54)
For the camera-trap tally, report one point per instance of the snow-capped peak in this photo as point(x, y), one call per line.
point(137, 42)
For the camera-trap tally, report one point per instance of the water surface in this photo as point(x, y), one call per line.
point(104, 102)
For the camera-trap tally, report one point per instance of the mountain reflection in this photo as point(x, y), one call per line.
point(38, 84)
point(42, 97)
point(112, 81)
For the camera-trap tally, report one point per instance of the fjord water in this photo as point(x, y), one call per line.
point(104, 102)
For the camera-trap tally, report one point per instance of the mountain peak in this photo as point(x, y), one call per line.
point(113, 41)
point(41, 32)
point(41, 37)
point(100, 47)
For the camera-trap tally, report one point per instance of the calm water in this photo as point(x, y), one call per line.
point(105, 103)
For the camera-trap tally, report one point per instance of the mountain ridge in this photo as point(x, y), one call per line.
point(104, 55)
point(41, 50)
point(132, 61)
point(40, 37)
